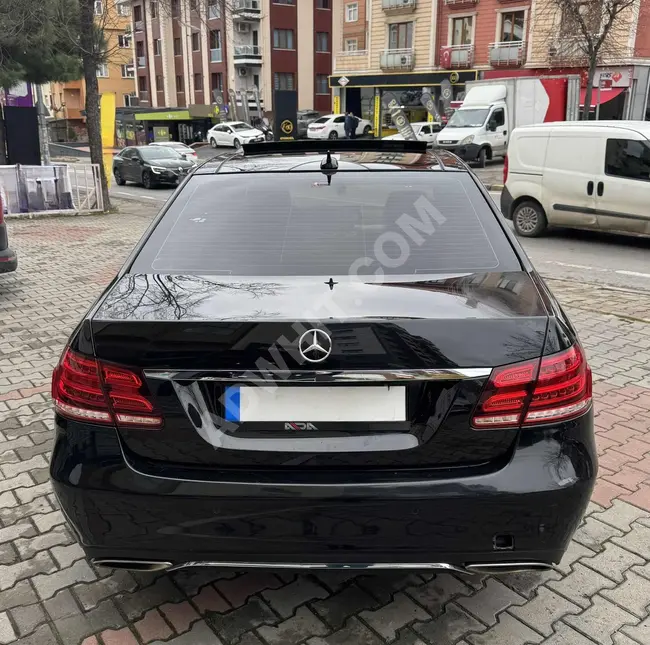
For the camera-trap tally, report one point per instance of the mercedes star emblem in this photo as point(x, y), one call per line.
point(315, 345)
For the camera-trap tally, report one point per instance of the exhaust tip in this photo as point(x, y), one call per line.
point(133, 565)
point(509, 567)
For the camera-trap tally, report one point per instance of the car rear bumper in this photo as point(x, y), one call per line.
point(506, 203)
point(536, 501)
point(317, 135)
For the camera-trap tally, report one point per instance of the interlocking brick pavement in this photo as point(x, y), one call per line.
point(50, 595)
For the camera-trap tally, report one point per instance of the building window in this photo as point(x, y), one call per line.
point(283, 81)
point(196, 41)
point(154, 9)
point(179, 84)
point(461, 30)
point(216, 81)
point(215, 39)
point(99, 7)
point(142, 83)
point(512, 26)
point(351, 44)
point(284, 1)
point(123, 9)
point(214, 9)
point(352, 12)
point(321, 84)
point(323, 4)
point(102, 70)
point(139, 49)
point(283, 38)
point(123, 41)
point(193, 5)
point(198, 82)
point(322, 41)
point(157, 47)
point(400, 35)
point(160, 84)
point(128, 71)
point(256, 81)
point(176, 8)
point(130, 100)
point(137, 13)
point(627, 158)
point(178, 47)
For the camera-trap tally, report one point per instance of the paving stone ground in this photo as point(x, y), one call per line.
point(49, 594)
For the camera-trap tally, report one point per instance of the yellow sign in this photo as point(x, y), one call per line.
point(287, 126)
point(429, 117)
point(216, 110)
point(453, 77)
point(377, 115)
point(336, 104)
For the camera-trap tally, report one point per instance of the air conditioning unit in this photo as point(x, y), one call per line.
point(243, 27)
point(243, 71)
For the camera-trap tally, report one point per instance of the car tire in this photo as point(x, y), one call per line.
point(333, 135)
point(119, 180)
point(482, 158)
point(147, 180)
point(529, 219)
point(213, 143)
point(237, 144)
point(366, 131)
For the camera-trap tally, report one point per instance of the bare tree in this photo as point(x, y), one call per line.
point(586, 32)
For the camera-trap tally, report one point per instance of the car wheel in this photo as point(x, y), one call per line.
point(366, 131)
point(237, 144)
point(213, 143)
point(529, 219)
point(147, 181)
point(482, 157)
point(333, 135)
point(119, 180)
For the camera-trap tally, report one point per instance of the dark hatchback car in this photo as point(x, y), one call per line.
point(150, 166)
point(317, 360)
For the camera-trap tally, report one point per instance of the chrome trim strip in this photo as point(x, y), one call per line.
point(510, 567)
point(321, 376)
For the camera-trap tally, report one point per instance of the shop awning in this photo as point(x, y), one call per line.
point(605, 95)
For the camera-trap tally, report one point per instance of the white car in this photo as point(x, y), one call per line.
point(332, 126)
point(424, 131)
point(185, 151)
point(234, 134)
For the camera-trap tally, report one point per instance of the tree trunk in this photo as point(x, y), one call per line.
point(590, 86)
point(90, 60)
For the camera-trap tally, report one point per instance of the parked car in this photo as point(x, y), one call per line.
point(150, 166)
point(332, 126)
point(435, 412)
point(305, 118)
point(590, 174)
point(8, 259)
point(424, 131)
point(234, 134)
point(184, 150)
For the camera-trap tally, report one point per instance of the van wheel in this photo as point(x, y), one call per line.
point(529, 219)
point(482, 158)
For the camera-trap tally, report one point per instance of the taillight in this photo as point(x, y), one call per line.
point(87, 389)
point(505, 170)
point(556, 388)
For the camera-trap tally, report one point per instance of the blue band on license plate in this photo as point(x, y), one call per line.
point(232, 403)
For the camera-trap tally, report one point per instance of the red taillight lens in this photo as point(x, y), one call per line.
point(85, 388)
point(505, 170)
point(556, 388)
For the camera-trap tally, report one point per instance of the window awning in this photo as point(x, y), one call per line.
point(605, 95)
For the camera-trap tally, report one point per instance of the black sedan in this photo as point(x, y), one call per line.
point(150, 166)
point(318, 360)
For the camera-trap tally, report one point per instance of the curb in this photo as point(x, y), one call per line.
point(49, 214)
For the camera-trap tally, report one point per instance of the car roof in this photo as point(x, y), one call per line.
point(169, 144)
point(432, 159)
point(232, 123)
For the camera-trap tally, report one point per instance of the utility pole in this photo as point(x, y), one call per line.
point(43, 136)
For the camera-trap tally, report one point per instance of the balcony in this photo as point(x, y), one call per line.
point(567, 49)
point(247, 9)
point(453, 4)
point(216, 56)
point(457, 56)
point(507, 54)
point(402, 59)
point(142, 61)
point(247, 55)
point(139, 25)
point(398, 6)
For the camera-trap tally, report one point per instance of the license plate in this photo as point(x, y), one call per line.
point(446, 142)
point(345, 404)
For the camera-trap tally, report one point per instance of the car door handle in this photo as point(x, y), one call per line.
point(590, 188)
point(505, 132)
point(600, 189)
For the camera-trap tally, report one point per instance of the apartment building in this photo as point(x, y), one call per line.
point(187, 49)
point(66, 101)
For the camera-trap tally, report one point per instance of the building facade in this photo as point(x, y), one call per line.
point(66, 101)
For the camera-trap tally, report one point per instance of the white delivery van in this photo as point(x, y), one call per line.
point(582, 174)
point(480, 128)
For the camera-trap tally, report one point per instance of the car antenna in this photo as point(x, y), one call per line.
point(329, 166)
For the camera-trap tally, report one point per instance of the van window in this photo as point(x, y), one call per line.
point(628, 158)
point(498, 117)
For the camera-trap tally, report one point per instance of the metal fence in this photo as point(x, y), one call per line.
point(59, 187)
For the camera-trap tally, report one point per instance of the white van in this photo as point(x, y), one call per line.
point(592, 174)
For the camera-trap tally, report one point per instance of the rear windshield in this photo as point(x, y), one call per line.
point(323, 119)
point(158, 152)
point(294, 224)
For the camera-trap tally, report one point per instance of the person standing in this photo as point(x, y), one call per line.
point(346, 125)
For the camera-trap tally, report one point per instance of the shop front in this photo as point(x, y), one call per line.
point(362, 94)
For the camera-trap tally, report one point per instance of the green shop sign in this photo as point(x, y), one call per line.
point(176, 115)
